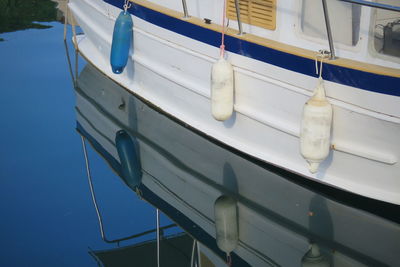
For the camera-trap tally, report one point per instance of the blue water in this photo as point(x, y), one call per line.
point(47, 215)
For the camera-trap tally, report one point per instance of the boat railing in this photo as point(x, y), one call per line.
point(373, 4)
point(326, 17)
point(357, 2)
point(185, 9)
point(328, 30)
point(159, 230)
point(237, 8)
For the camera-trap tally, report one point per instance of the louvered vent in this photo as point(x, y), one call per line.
point(260, 13)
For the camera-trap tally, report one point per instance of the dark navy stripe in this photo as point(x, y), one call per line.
point(178, 217)
point(351, 77)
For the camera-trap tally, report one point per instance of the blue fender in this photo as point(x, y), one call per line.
point(128, 152)
point(121, 42)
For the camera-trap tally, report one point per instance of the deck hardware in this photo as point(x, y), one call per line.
point(357, 2)
point(237, 7)
point(328, 30)
point(373, 4)
point(185, 10)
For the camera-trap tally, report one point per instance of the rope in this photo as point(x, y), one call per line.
point(158, 237)
point(127, 5)
point(66, 21)
point(72, 24)
point(70, 64)
point(222, 47)
point(74, 32)
point(92, 190)
point(322, 54)
point(195, 260)
point(76, 66)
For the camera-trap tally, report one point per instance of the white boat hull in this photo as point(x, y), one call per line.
point(173, 72)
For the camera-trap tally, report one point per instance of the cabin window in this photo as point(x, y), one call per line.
point(260, 13)
point(387, 30)
point(344, 19)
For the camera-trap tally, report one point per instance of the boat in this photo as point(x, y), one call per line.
point(284, 58)
point(184, 174)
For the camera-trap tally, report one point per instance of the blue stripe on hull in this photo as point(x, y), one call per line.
point(351, 77)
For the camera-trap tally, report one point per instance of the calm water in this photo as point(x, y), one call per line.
point(47, 213)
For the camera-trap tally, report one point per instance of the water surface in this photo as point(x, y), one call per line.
point(48, 218)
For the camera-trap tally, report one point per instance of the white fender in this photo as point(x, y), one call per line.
point(222, 90)
point(314, 258)
point(316, 128)
point(226, 224)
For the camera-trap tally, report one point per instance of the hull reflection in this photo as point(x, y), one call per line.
point(185, 173)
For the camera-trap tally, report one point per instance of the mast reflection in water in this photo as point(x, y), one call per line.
point(282, 220)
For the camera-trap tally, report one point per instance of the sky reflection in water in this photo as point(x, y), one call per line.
point(48, 218)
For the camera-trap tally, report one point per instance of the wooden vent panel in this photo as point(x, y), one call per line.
point(260, 13)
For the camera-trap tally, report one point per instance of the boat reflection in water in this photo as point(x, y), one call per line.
point(278, 221)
